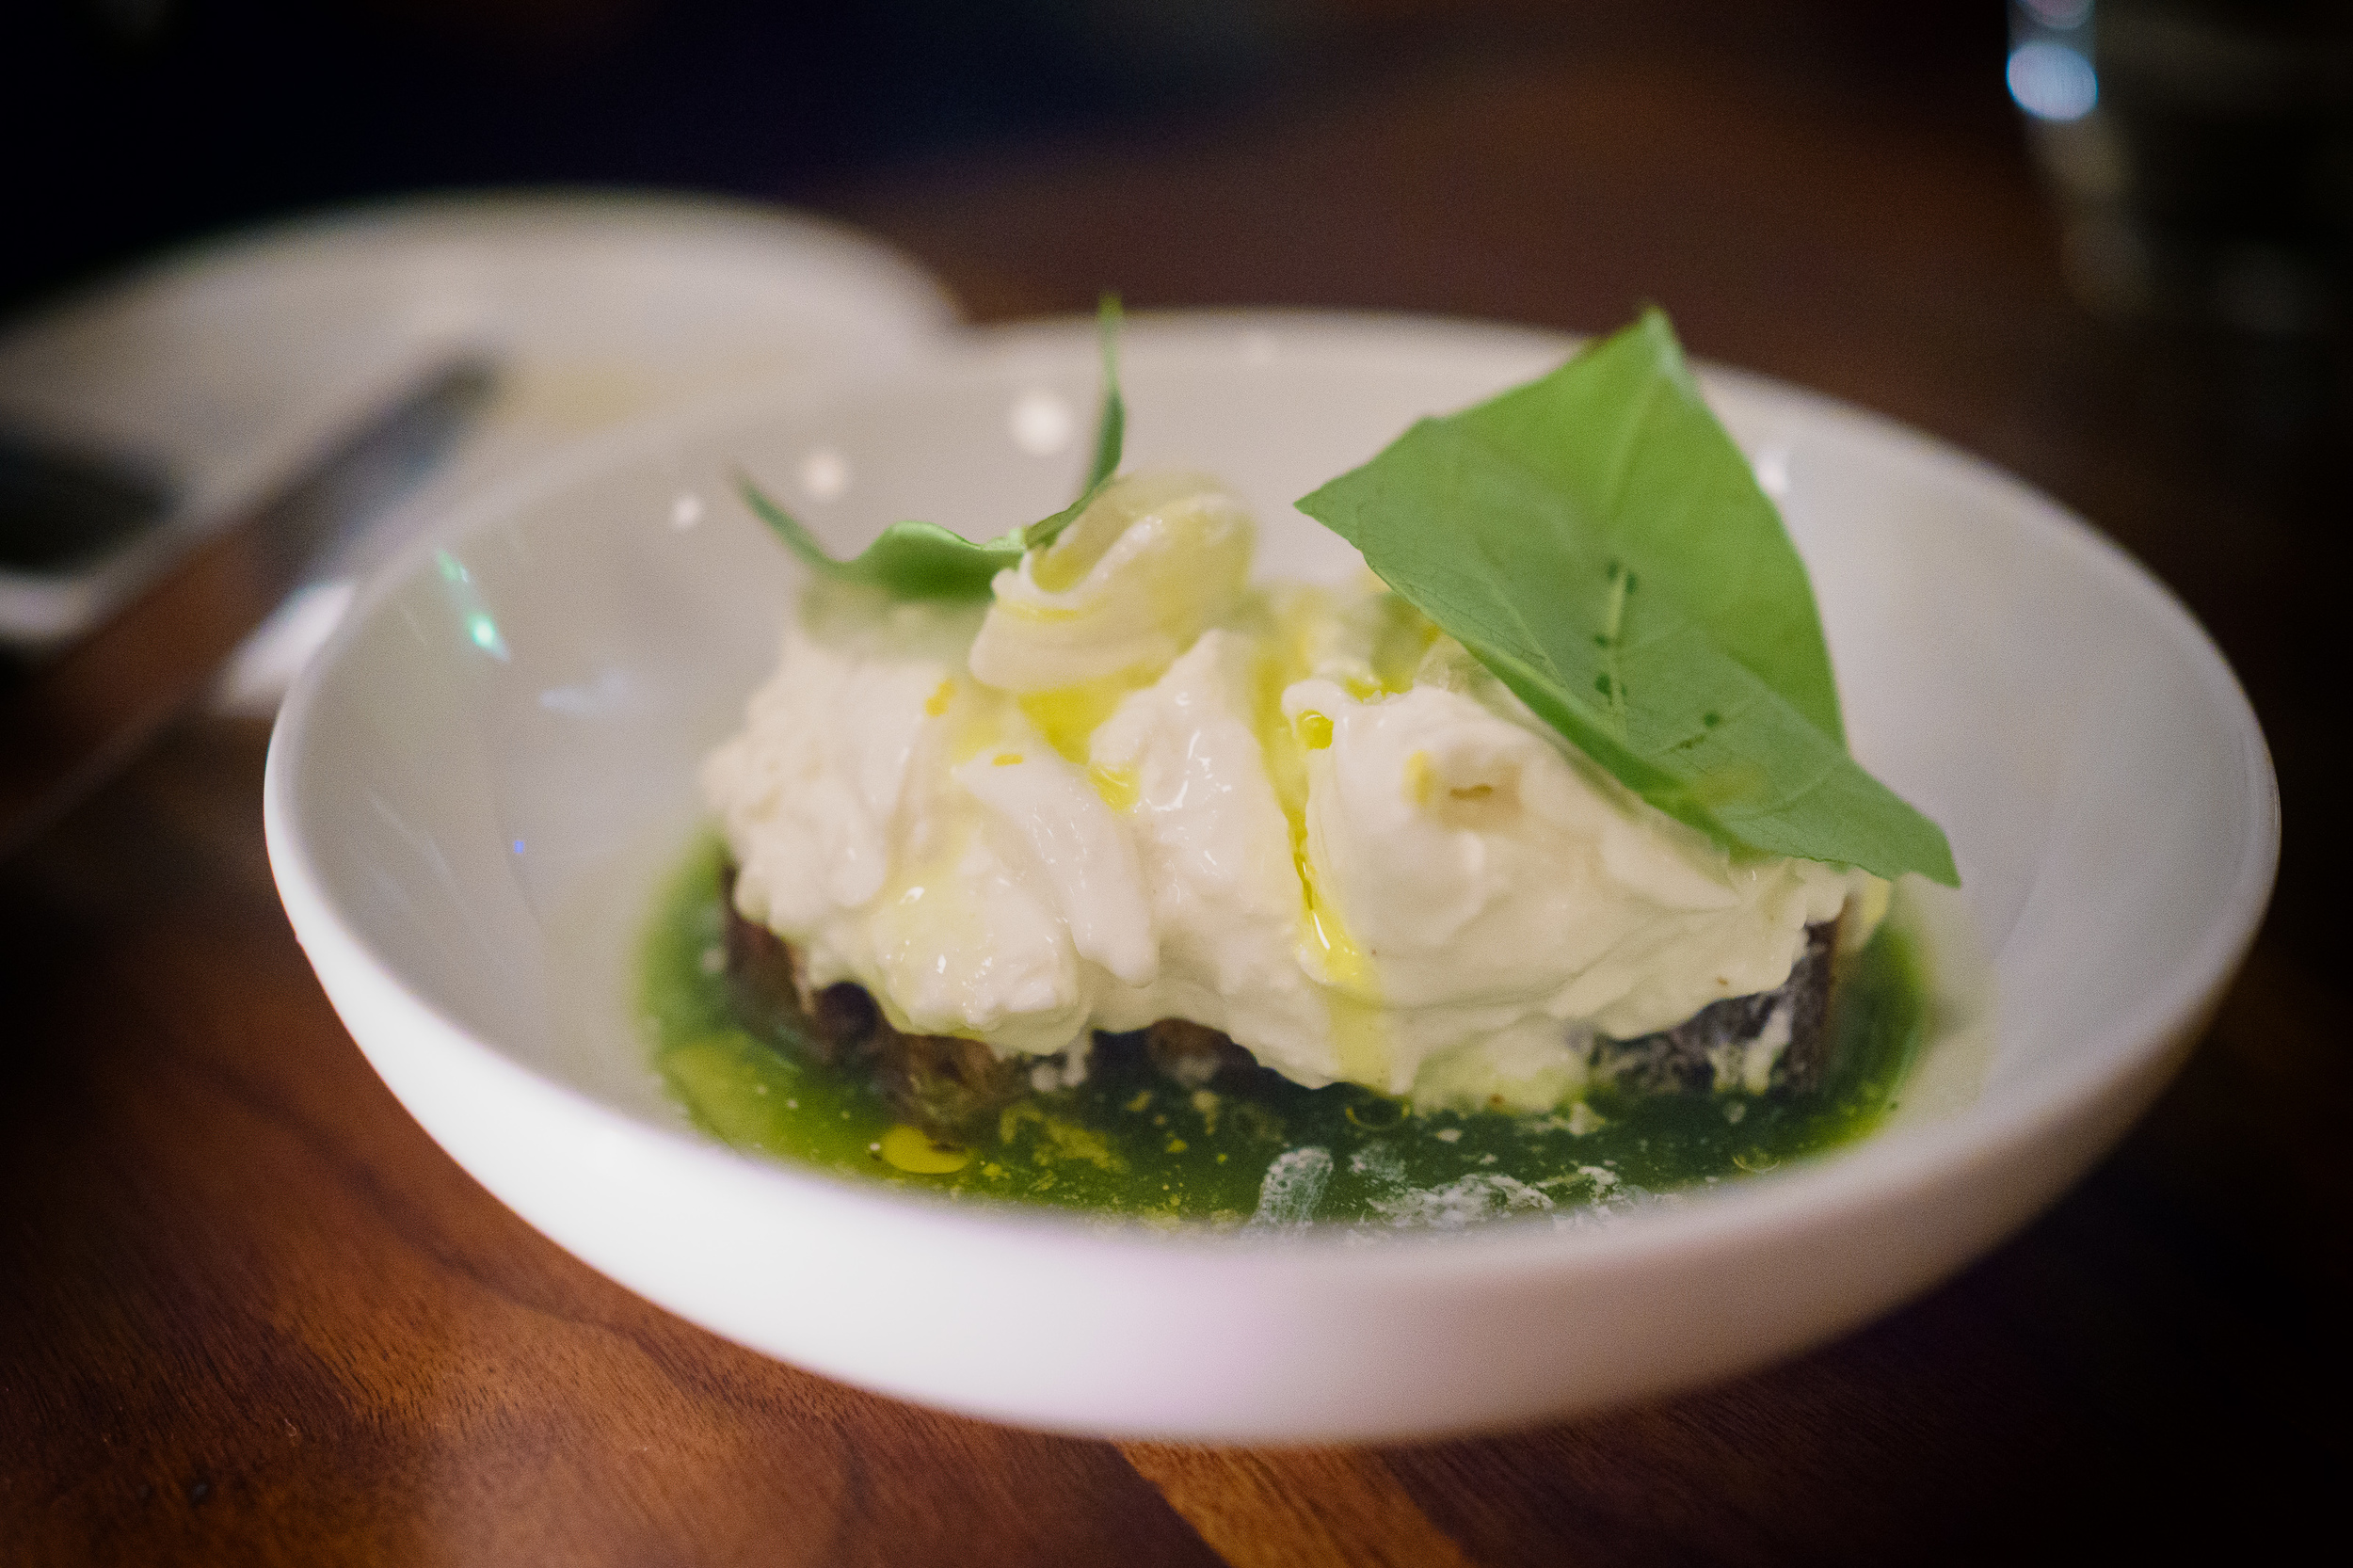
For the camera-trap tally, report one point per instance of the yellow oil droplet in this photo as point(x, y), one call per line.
point(1005, 759)
point(1068, 715)
point(1345, 963)
point(1119, 787)
point(981, 724)
point(1359, 1034)
point(913, 1150)
point(1351, 991)
point(1278, 663)
point(937, 702)
point(1177, 1146)
point(1421, 777)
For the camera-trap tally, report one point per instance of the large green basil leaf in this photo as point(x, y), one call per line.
point(1596, 539)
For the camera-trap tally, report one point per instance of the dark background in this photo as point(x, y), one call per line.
point(148, 119)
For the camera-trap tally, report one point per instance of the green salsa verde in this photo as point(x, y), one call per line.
point(1132, 1141)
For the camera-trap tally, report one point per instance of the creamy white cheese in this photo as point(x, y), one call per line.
point(1134, 787)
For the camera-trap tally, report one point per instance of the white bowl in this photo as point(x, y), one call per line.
point(474, 790)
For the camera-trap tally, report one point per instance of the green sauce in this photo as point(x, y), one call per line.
point(1133, 1143)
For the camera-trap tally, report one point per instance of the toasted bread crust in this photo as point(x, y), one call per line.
point(1683, 1060)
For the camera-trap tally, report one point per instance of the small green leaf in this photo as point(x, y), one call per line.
point(1596, 539)
point(1110, 433)
point(910, 560)
point(923, 560)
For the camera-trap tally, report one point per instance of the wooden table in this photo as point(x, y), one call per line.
point(248, 1313)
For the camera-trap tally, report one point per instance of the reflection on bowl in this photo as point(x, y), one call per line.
point(475, 793)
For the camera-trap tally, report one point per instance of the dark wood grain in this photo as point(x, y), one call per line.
point(249, 1314)
point(1294, 1507)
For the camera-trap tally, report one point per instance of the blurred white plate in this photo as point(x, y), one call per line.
point(475, 791)
point(230, 363)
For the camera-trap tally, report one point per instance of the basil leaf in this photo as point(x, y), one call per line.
point(923, 560)
point(1596, 539)
point(1110, 433)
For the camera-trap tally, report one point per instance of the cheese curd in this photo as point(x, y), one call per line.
point(1133, 787)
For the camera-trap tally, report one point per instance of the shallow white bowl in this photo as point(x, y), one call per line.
point(474, 790)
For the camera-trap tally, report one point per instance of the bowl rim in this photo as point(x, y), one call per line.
point(1859, 1178)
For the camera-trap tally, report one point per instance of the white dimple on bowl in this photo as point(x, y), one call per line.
point(474, 794)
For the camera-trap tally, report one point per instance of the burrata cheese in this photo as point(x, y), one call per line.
point(1134, 785)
